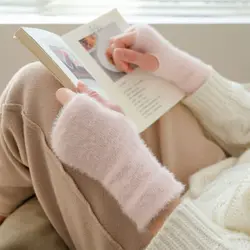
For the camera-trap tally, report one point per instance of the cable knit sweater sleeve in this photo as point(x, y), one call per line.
point(223, 107)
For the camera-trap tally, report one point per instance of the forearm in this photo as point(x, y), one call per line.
point(156, 224)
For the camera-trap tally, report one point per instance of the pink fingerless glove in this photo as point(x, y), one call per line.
point(105, 145)
point(176, 66)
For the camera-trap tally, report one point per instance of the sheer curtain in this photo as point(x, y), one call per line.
point(19, 7)
point(152, 7)
point(144, 9)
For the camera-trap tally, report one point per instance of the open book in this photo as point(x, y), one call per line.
point(80, 56)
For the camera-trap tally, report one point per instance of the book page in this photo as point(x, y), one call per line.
point(143, 97)
point(64, 57)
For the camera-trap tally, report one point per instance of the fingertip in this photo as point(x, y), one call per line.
point(80, 83)
point(109, 55)
point(81, 87)
point(97, 97)
point(125, 67)
point(108, 51)
point(93, 93)
point(116, 108)
point(59, 92)
point(124, 54)
point(64, 95)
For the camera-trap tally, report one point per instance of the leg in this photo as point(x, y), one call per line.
point(29, 219)
point(81, 211)
point(182, 144)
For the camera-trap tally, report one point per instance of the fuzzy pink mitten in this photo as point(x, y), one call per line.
point(105, 145)
point(176, 66)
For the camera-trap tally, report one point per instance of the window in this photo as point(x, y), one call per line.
point(21, 6)
point(132, 9)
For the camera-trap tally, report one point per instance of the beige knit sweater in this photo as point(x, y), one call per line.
point(215, 213)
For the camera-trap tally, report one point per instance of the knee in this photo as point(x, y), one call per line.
point(33, 77)
point(32, 83)
point(33, 88)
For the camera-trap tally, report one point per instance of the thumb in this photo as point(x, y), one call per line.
point(144, 61)
point(64, 95)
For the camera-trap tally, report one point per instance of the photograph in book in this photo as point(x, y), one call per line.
point(97, 43)
point(75, 67)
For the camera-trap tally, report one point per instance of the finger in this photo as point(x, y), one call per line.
point(93, 94)
point(120, 64)
point(105, 102)
point(109, 51)
point(117, 43)
point(144, 61)
point(64, 95)
point(115, 108)
point(81, 87)
point(124, 40)
point(84, 89)
point(109, 55)
point(96, 96)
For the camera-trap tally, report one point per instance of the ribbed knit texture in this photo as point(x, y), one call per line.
point(223, 107)
point(215, 212)
point(188, 228)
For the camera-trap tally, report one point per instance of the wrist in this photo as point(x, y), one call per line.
point(180, 68)
point(156, 223)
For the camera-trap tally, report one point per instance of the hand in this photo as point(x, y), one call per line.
point(146, 48)
point(105, 145)
point(65, 95)
point(123, 56)
point(89, 129)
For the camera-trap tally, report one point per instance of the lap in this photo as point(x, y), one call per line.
point(78, 207)
point(35, 91)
